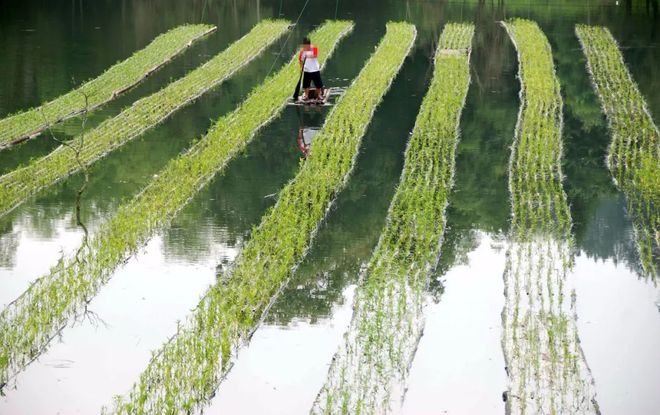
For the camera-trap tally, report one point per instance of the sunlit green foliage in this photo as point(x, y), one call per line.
point(186, 371)
point(138, 118)
point(110, 84)
point(27, 325)
point(634, 153)
point(546, 369)
point(368, 373)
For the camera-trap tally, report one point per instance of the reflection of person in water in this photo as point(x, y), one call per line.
point(309, 127)
point(305, 137)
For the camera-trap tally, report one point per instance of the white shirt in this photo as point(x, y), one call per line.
point(308, 135)
point(311, 60)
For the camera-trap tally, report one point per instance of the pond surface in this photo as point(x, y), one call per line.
point(49, 46)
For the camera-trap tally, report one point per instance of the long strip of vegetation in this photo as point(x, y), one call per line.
point(634, 153)
point(186, 371)
point(368, 374)
point(29, 323)
point(547, 372)
point(106, 87)
point(138, 118)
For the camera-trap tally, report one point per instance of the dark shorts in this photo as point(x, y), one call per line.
point(314, 77)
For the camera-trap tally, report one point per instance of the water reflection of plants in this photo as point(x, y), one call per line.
point(186, 371)
point(29, 323)
point(634, 153)
point(546, 369)
point(369, 371)
point(110, 84)
point(139, 117)
point(350, 231)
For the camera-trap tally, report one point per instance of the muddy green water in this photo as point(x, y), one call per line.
point(48, 46)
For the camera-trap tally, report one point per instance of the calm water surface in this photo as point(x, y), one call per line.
point(49, 46)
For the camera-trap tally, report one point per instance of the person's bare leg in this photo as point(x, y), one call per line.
point(306, 93)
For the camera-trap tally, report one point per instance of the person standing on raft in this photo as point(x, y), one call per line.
point(309, 62)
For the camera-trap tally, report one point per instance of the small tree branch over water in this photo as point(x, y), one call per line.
point(76, 146)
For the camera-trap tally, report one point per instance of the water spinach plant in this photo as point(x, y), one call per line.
point(184, 373)
point(634, 153)
point(144, 114)
point(29, 323)
point(114, 81)
point(369, 372)
point(546, 369)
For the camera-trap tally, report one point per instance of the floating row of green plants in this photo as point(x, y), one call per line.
point(138, 118)
point(368, 374)
point(110, 84)
point(184, 374)
point(545, 365)
point(29, 323)
point(634, 153)
point(546, 369)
